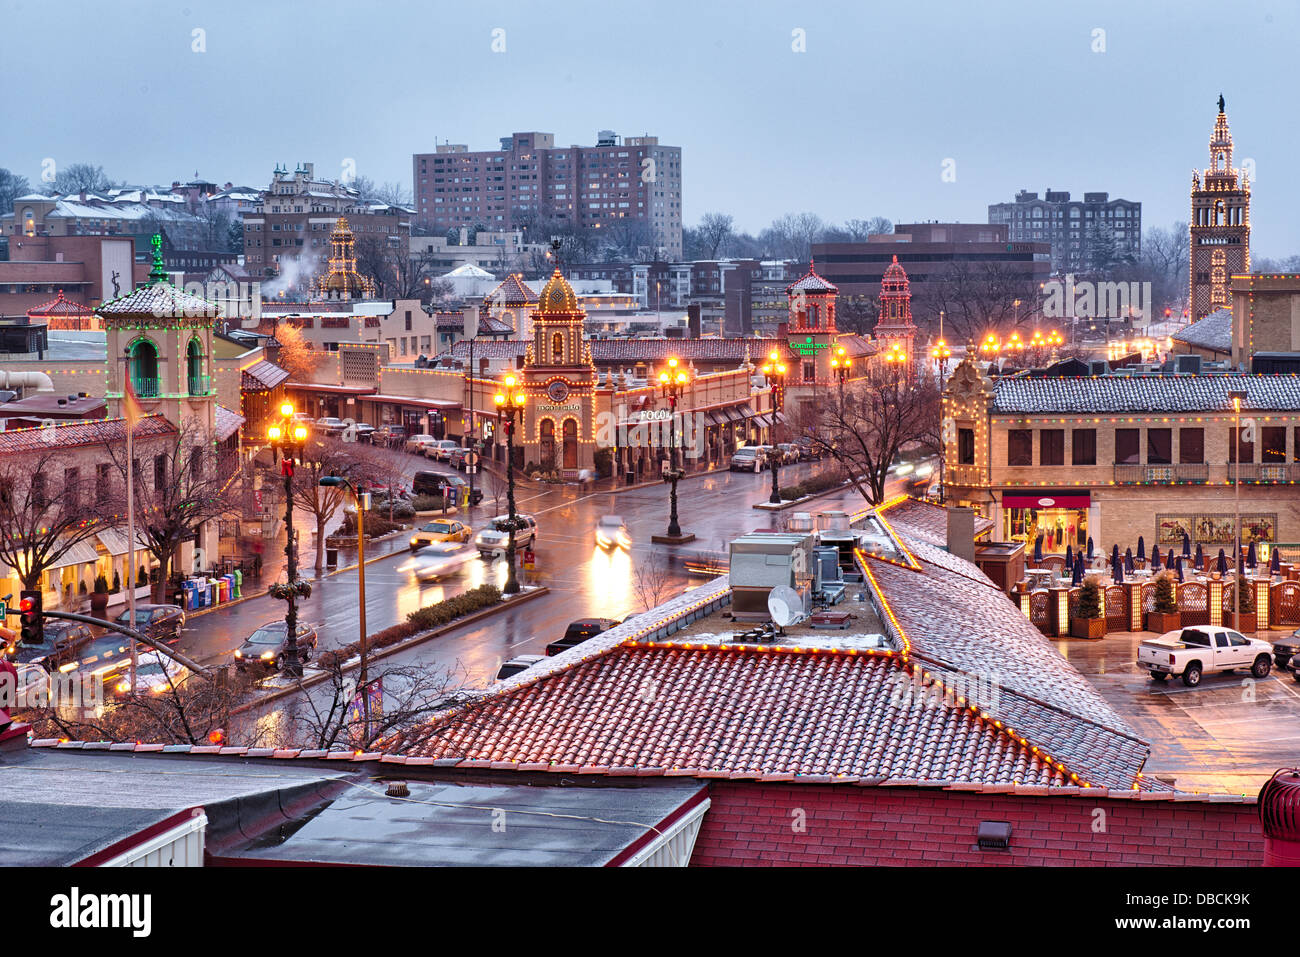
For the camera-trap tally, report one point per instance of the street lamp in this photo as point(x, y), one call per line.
point(1055, 340)
point(941, 354)
point(288, 438)
point(840, 365)
point(1237, 396)
point(336, 481)
point(510, 400)
point(990, 345)
point(673, 380)
point(774, 369)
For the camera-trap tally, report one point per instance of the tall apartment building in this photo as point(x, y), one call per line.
point(1077, 230)
point(297, 213)
point(530, 180)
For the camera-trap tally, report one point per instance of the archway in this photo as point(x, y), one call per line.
point(570, 443)
point(547, 433)
point(194, 368)
point(144, 368)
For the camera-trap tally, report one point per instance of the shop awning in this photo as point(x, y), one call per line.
point(80, 553)
point(444, 404)
point(262, 376)
point(114, 541)
point(1046, 499)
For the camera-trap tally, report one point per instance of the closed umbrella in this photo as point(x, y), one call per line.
point(1155, 558)
point(1077, 578)
point(1251, 558)
point(1180, 567)
point(1119, 578)
point(1187, 545)
point(1142, 549)
point(1222, 562)
point(1089, 548)
point(1200, 557)
point(1114, 556)
point(1038, 548)
point(1069, 558)
point(1128, 560)
point(1275, 562)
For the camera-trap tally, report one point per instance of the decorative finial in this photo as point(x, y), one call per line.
point(159, 271)
point(1220, 102)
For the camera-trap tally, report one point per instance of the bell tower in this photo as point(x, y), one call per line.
point(895, 331)
point(1220, 225)
point(811, 326)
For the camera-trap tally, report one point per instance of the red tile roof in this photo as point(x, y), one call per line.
point(735, 350)
point(811, 282)
point(72, 434)
point(60, 307)
point(262, 377)
point(511, 291)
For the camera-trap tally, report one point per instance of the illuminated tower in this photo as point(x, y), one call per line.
point(1220, 225)
point(895, 330)
point(343, 281)
point(811, 327)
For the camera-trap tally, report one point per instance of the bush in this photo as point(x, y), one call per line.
point(101, 585)
point(1166, 601)
point(1242, 593)
point(376, 525)
point(427, 503)
point(440, 613)
point(1090, 598)
point(818, 483)
point(603, 460)
point(117, 582)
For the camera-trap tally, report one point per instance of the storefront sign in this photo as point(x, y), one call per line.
point(571, 407)
point(1047, 500)
point(808, 347)
point(651, 415)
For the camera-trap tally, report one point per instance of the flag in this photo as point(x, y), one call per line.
point(131, 408)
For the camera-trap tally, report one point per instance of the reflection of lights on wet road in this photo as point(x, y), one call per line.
point(610, 575)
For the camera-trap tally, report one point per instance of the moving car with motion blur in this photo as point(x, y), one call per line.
point(517, 664)
point(612, 533)
point(439, 560)
point(493, 537)
point(61, 642)
point(264, 649)
point(442, 530)
point(155, 673)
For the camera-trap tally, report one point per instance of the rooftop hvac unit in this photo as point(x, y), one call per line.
point(1098, 367)
point(1190, 364)
point(762, 562)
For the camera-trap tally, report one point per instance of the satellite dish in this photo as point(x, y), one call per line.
point(784, 606)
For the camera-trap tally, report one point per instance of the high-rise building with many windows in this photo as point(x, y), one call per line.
point(1086, 236)
point(631, 185)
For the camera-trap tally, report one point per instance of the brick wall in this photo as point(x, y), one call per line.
point(754, 824)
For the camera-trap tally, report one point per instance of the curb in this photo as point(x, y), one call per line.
point(394, 649)
point(769, 507)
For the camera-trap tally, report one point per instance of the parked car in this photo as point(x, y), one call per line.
point(808, 449)
point(612, 533)
point(440, 560)
point(155, 674)
point(416, 444)
point(746, 459)
point(62, 642)
point(1293, 666)
point(264, 648)
point(330, 425)
point(1285, 649)
point(789, 452)
point(494, 536)
point(362, 431)
point(443, 530)
point(432, 483)
point(161, 622)
point(440, 449)
point(389, 434)
point(107, 655)
point(578, 632)
point(517, 664)
point(456, 458)
point(1193, 652)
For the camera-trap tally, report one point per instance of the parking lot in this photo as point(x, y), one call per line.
point(1228, 735)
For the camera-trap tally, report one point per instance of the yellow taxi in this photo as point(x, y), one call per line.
point(442, 530)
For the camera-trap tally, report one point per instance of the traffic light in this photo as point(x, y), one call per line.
point(31, 616)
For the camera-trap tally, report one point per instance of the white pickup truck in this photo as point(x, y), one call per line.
point(1193, 652)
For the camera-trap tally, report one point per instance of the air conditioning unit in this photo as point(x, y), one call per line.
point(1098, 367)
point(761, 562)
point(1187, 365)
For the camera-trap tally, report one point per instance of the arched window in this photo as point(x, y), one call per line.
point(548, 444)
point(557, 348)
point(144, 368)
point(194, 368)
point(570, 443)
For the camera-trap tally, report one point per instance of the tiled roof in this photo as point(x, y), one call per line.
point(928, 521)
point(70, 434)
point(1212, 332)
point(511, 291)
point(158, 300)
point(262, 377)
point(226, 423)
point(557, 296)
point(58, 306)
point(1146, 394)
point(811, 282)
point(638, 350)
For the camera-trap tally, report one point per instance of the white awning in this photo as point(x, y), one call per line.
point(80, 553)
point(114, 541)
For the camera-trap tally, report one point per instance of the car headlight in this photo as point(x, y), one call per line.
point(123, 687)
point(268, 655)
point(159, 688)
point(238, 653)
point(415, 541)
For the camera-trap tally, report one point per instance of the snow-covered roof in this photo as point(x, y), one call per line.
point(468, 271)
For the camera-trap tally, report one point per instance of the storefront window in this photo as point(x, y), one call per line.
point(1058, 526)
point(1274, 449)
point(1247, 448)
point(965, 446)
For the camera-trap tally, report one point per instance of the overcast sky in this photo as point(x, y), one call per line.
point(858, 125)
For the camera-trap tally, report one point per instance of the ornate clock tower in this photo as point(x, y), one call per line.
point(1220, 225)
point(560, 380)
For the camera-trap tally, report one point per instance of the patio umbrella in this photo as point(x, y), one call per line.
point(1038, 548)
point(1275, 562)
point(1187, 545)
point(1200, 556)
point(1119, 576)
point(1155, 558)
point(1089, 548)
point(1222, 562)
point(1077, 578)
point(1251, 558)
point(1128, 560)
point(1114, 556)
point(1142, 549)
point(1069, 558)
point(1180, 567)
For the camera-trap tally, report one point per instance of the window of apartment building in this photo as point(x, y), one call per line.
point(159, 472)
point(965, 446)
point(1191, 446)
point(408, 320)
point(1020, 447)
point(1085, 446)
point(1274, 444)
point(1051, 447)
point(1160, 446)
point(102, 476)
point(1128, 449)
point(1247, 449)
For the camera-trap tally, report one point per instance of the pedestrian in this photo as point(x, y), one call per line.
point(8, 689)
point(585, 479)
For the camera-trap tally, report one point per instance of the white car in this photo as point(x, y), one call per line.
point(419, 443)
point(439, 560)
point(612, 533)
point(1203, 649)
point(155, 673)
point(330, 423)
point(441, 449)
point(495, 536)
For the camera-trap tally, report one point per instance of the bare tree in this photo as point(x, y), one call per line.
point(45, 512)
point(183, 483)
point(975, 297)
point(792, 235)
point(867, 425)
point(11, 187)
point(394, 194)
point(322, 456)
point(857, 314)
point(714, 231)
point(76, 177)
point(651, 581)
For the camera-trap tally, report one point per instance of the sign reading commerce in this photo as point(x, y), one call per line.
point(808, 347)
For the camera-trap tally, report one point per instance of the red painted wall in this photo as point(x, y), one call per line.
point(754, 824)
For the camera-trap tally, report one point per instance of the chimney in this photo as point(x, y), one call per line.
point(961, 533)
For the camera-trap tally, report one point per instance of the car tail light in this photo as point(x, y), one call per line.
point(1171, 658)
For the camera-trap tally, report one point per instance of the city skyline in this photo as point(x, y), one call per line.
point(937, 137)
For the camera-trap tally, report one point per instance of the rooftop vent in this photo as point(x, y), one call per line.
point(994, 836)
point(398, 789)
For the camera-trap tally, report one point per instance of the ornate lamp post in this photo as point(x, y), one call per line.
point(840, 364)
point(990, 346)
point(1237, 397)
point(288, 438)
point(1055, 340)
point(510, 401)
point(774, 371)
point(941, 354)
point(335, 481)
point(673, 379)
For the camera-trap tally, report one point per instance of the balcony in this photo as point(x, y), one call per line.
point(199, 384)
point(1268, 473)
point(146, 388)
point(1162, 474)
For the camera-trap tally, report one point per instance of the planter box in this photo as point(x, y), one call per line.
point(1160, 622)
point(1088, 627)
point(1248, 622)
